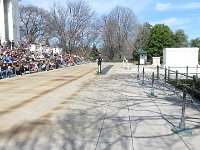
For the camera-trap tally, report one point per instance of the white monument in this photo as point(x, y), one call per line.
point(9, 20)
point(156, 61)
point(180, 57)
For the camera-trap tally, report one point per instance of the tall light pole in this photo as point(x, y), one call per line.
point(119, 31)
point(70, 50)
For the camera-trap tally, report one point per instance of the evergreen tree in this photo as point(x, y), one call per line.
point(181, 39)
point(161, 37)
point(94, 53)
point(196, 43)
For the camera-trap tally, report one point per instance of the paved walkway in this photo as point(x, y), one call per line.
point(77, 109)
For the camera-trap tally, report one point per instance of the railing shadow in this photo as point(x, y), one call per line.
point(101, 120)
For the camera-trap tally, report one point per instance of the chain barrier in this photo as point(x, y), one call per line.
point(177, 89)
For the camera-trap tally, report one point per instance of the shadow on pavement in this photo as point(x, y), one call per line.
point(105, 70)
point(101, 119)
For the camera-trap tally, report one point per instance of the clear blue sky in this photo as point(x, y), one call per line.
point(177, 14)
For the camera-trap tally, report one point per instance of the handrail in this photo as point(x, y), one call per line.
point(181, 82)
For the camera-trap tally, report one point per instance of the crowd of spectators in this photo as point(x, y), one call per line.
point(17, 59)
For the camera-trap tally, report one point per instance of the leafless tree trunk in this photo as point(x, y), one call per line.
point(120, 30)
point(142, 37)
point(74, 24)
point(33, 23)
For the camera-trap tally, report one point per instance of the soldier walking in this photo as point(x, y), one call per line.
point(99, 61)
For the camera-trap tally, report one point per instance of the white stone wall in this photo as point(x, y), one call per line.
point(180, 57)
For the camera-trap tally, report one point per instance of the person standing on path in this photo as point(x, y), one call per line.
point(99, 61)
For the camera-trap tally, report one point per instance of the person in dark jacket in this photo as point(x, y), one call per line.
point(12, 45)
point(99, 61)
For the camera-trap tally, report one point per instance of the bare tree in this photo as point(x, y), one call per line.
point(74, 24)
point(57, 22)
point(142, 38)
point(109, 39)
point(120, 30)
point(33, 23)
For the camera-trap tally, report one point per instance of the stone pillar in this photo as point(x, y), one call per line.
point(9, 24)
point(2, 21)
point(10, 19)
point(15, 21)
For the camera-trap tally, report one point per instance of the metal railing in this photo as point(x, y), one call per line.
point(180, 80)
point(185, 85)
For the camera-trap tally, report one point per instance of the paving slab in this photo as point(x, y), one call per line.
point(76, 108)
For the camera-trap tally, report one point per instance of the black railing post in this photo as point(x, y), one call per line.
point(152, 94)
point(143, 75)
point(182, 122)
point(158, 73)
point(165, 74)
point(168, 73)
point(193, 86)
point(187, 73)
point(138, 70)
point(176, 75)
point(197, 70)
point(152, 79)
point(176, 84)
point(181, 130)
point(194, 81)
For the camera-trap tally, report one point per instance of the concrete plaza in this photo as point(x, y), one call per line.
point(76, 108)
